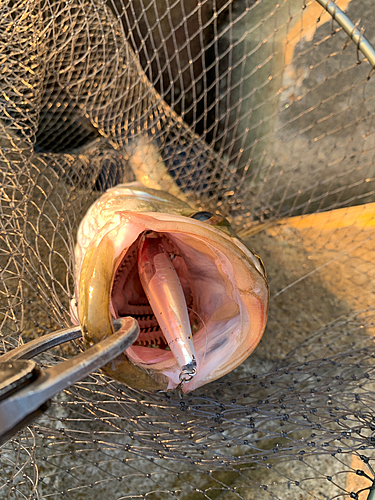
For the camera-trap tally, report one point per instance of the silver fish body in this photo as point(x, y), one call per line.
point(211, 289)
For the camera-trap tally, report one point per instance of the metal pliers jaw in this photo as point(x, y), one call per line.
point(26, 389)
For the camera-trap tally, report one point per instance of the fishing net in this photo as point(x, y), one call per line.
point(261, 110)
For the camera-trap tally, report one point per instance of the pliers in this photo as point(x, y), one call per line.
point(26, 389)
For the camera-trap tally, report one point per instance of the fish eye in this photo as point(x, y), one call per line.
point(203, 216)
point(210, 218)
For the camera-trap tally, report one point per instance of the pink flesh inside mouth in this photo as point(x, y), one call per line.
point(223, 290)
point(130, 298)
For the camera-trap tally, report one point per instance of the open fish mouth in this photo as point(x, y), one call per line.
point(199, 295)
point(153, 285)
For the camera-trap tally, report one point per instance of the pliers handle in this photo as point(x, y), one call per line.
point(26, 389)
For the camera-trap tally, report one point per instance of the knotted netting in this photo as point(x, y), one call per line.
point(261, 110)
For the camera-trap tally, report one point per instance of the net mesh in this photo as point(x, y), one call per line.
point(261, 110)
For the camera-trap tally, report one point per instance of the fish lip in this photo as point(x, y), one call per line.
point(248, 281)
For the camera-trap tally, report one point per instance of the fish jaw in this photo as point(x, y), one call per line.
point(230, 297)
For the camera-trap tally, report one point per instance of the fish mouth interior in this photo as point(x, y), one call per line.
point(129, 299)
point(208, 296)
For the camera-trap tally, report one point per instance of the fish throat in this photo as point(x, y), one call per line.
point(151, 284)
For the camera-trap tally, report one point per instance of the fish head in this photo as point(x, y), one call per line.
point(222, 284)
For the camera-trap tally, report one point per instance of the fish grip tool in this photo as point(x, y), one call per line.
point(26, 389)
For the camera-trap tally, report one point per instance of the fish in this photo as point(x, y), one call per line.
point(199, 294)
